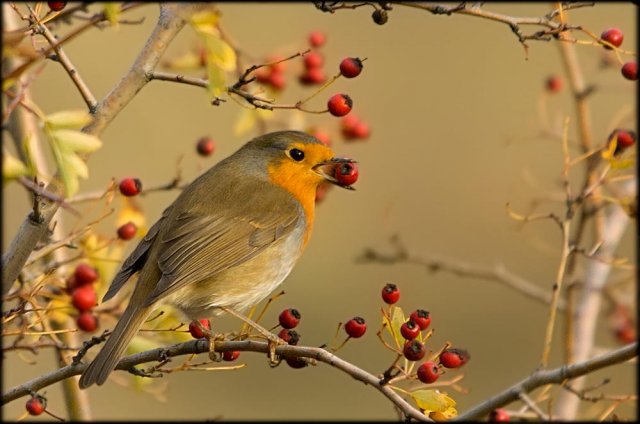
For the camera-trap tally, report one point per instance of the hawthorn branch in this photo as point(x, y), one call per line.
point(128, 363)
point(555, 376)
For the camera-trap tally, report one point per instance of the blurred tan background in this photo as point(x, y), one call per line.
point(452, 103)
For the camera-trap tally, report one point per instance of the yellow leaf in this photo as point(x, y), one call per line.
point(445, 415)
point(132, 213)
point(12, 167)
point(218, 51)
point(76, 141)
point(622, 163)
point(216, 79)
point(74, 119)
point(59, 309)
point(432, 400)
point(78, 166)
point(188, 60)
point(397, 319)
point(112, 12)
point(205, 18)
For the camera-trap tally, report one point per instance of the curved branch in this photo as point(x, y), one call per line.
point(202, 346)
point(555, 376)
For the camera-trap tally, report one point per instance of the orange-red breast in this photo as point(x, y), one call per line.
point(230, 238)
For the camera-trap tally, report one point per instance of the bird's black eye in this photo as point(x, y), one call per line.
point(296, 154)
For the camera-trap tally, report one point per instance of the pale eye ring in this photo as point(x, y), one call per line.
point(296, 154)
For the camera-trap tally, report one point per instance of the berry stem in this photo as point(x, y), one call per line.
point(325, 85)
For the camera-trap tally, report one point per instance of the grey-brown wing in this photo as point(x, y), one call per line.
point(136, 259)
point(199, 246)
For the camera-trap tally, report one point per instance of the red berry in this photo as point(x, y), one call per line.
point(421, 317)
point(414, 350)
point(127, 231)
point(277, 80)
point(554, 83)
point(84, 274)
point(290, 336)
point(409, 330)
point(499, 415)
point(317, 38)
point(630, 71)
point(230, 355)
point(56, 6)
point(361, 130)
point(355, 327)
point(313, 60)
point(130, 186)
point(195, 331)
point(279, 67)
point(390, 294)
point(36, 405)
point(613, 36)
point(86, 321)
point(624, 140)
point(84, 298)
point(313, 76)
point(205, 146)
point(351, 67)
point(340, 104)
point(322, 136)
point(263, 74)
point(347, 125)
point(626, 333)
point(428, 372)
point(296, 363)
point(289, 318)
point(454, 358)
point(347, 174)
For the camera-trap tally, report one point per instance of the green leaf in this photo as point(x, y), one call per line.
point(76, 141)
point(12, 167)
point(74, 119)
point(432, 400)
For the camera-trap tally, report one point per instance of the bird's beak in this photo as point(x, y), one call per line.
point(326, 170)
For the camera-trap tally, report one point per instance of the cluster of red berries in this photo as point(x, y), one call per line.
point(273, 75)
point(353, 128)
point(313, 61)
point(624, 139)
point(205, 146)
point(129, 187)
point(83, 296)
point(414, 349)
point(197, 333)
point(288, 320)
point(36, 404)
point(615, 36)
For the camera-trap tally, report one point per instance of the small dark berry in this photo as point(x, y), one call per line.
point(340, 104)
point(290, 336)
point(130, 186)
point(454, 358)
point(36, 405)
point(613, 36)
point(346, 173)
point(428, 372)
point(296, 363)
point(409, 330)
point(84, 298)
point(289, 318)
point(421, 317)
point(205, 146)
point(56, 6)
point(230, 355)
point(390, 294)
point(380, 16)
point(85, 274)
point(127, 231)
point(499, 415)
point(195, 331)
point(624, 139)
point(351, 67)
point(87, 321)
point(554, 84)
point(356, 327)
point(630, 71)
point(414, 350)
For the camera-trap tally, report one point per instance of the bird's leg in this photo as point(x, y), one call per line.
point(211, 337)
point(272, 339)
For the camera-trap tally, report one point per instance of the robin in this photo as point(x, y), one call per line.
point(228, 240)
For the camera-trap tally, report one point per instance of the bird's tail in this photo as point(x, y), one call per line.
point(98, 371)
